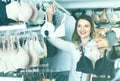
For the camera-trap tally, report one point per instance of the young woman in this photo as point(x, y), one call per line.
point(83, 36)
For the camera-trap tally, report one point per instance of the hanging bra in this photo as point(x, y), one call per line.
point(58, 32)
point(102, 65)
point(47, 27)
point(102, 19)
point(84, 64)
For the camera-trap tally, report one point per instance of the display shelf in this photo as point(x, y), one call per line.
point(11, 79)
point(13, 27)
point(76, 4)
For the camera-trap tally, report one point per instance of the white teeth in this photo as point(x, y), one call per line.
point(82, 32)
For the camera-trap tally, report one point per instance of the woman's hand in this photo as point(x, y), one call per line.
point(50, 11)
point(100, 42)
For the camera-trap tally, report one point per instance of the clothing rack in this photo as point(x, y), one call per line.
point(11, 79)
point(13, 27)
point(35, 69)
point(16, 29)
point(62, 8)
point(58, 5)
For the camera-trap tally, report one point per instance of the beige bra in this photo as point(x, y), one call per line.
point(103, 19)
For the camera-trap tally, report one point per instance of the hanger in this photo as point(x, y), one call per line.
point(61, 8)
point(49, 2)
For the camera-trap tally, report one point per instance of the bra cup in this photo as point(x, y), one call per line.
point(85, 65)
point(114, 53)
point(48, 27)
point(103, 66)
point(60, 31)
point(99, 64)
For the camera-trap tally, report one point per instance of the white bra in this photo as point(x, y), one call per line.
point(59, 32)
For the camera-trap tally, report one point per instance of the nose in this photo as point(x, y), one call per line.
point(81, 28)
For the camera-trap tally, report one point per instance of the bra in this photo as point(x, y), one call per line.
point(52, 32)
point(3, 14)
point(47, 27)
point(102, 19)
point(102, 65)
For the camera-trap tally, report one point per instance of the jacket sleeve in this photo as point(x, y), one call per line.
point(61, 44)
point(56, 41)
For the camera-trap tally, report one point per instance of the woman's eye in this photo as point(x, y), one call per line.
point(83, 26)
point(78, 26)
point(86, 26)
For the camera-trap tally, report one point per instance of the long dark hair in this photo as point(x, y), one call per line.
point(75, 36)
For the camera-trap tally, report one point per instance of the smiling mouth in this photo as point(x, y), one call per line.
point(82, 33)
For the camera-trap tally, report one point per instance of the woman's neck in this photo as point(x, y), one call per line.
point(85, 40)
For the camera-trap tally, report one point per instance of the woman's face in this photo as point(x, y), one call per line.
point(83, 28)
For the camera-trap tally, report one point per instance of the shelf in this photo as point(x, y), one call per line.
point(90, 4)
point(11, 79)
point(13, 27)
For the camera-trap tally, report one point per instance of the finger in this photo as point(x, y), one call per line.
point(102, 44)
point(54, 5)
point(98, 39)
point(49, 10)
